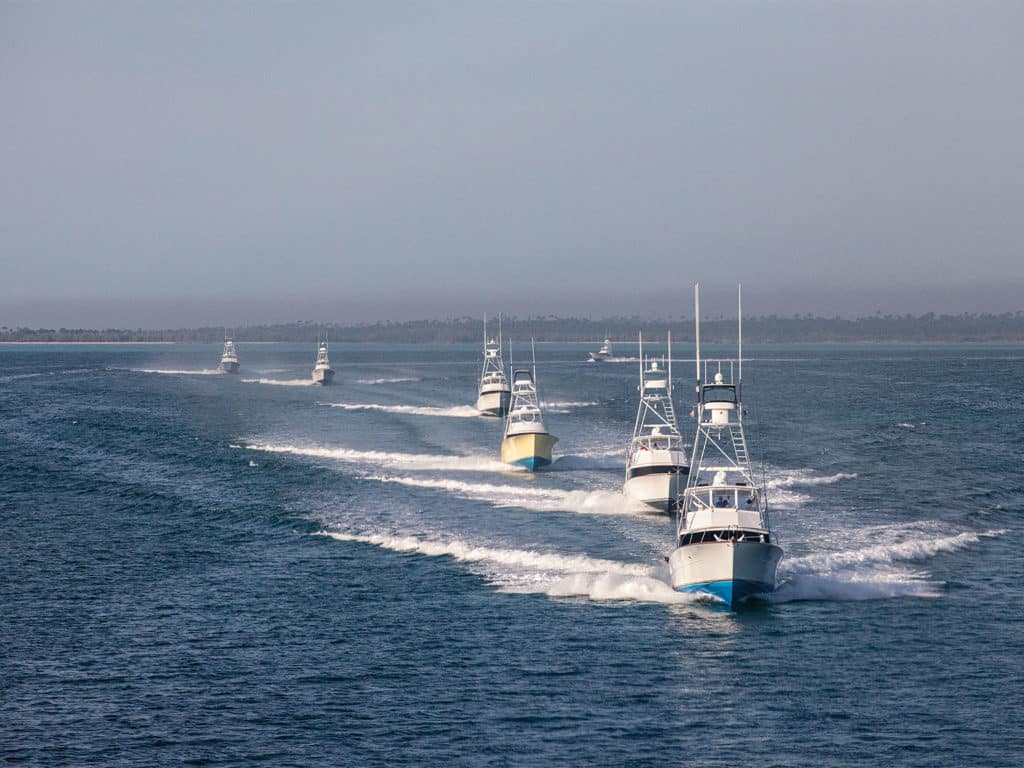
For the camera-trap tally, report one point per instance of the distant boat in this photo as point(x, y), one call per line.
point(602, 354)
point(724, 546)
point(229, 357)
point(527, 442)
point(494, 393)
point(656, 465)
point(322, 371)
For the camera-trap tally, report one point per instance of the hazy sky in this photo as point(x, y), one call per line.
point(184, 163)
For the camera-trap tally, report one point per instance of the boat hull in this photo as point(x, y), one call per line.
point(230, 366)
point(323, 376)
point(657, 493)
point(728, 571)
point(531, 450)
point(494, 403)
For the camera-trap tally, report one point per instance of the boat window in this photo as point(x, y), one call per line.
point(706, 537)
point(662, 469)
point(718, 393)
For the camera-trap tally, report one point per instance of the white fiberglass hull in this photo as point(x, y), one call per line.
point(656, 492)
point(729, 571)
point(494, 403)
point(229, 366)
point(323, 376)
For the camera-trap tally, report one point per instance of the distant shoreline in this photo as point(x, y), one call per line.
point(1007, 327)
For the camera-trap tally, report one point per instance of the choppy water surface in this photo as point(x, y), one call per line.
point(208, 569)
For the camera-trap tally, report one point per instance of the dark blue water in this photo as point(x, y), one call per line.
point(211, 570)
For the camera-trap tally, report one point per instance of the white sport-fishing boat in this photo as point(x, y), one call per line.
point(322, 371)
point(656, 465)
point(602, 354)
point(494, 393)
point(724, 545)
point(527, 442)
point(229, 357)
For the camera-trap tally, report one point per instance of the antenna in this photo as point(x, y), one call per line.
point(533, 351)
point(499, 334)
point(485, 330)
point(739, 325)
point(640, 336)
point(696, 319)
point(670, 364)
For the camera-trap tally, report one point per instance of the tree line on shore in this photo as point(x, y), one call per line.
point(1008, 326)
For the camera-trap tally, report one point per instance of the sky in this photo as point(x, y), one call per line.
point(177, 164)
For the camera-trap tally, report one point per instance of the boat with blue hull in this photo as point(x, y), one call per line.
point(725, 549)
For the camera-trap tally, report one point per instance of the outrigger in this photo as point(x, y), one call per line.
point(724, 545)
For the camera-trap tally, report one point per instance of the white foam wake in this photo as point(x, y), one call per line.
point(281, 382)
point(790, 480)
point(536, 499)
point(406, 461)
point(610, 586)
point(455, 411)
point(565, 406)
point(853, 586)
point(204, 372)
point(870, 573)
point(395, 380)
point(463, 551)
point(527, 571)
point(882, 554)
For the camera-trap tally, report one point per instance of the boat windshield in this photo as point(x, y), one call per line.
point(719, 393)
point(734, 497)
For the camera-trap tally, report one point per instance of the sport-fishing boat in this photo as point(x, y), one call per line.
point(724, 545)
point(229, 357)
point(527, 442)
point(656, 465)
point(602, 354)
point(494, 393)
point(322, 371)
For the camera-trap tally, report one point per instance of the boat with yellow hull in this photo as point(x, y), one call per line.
point(527, 441)
point(532, 450)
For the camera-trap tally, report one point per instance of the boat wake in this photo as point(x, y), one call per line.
point(407, 461)
point(455, 411)
point(203, 372)
point(800, 478)
point(467, 552)
point(884, 554)
point(872, 573)
point(531, 571)
point(395, 380)
point(566, 406)
point(281, 382)
point(521, 496)
point(838, 576)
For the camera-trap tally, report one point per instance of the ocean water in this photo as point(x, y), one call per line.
point(199, 569)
